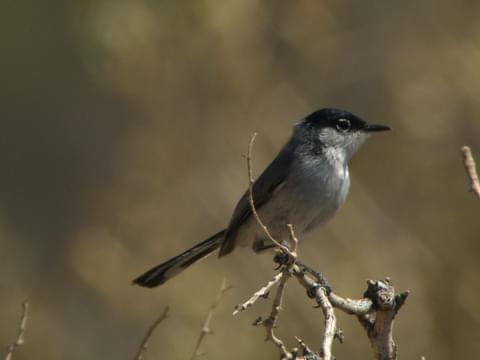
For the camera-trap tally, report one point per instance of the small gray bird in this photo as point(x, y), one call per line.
point(305, 185)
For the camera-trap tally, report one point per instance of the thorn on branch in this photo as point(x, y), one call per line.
point(340, 336)
point(306, 353)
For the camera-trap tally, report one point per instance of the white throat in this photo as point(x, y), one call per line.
point(337, 158)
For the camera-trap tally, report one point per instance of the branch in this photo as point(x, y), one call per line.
point(386, 306)
point(206, 325)
point(262, 293)
point(144, 344)
point(270, 323)
point(330, 324)
point(469, 164)
point(21, 333)
point(349, 306)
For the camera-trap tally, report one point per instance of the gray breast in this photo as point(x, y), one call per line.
point(312, 194)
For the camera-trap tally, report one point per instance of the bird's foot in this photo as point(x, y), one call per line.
point(282, 259)
point(319, 277)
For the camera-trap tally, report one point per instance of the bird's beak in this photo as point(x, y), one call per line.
point(376, 128)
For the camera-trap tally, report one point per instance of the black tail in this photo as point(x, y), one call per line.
point(165, 271)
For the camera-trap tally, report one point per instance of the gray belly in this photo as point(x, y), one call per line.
point(304, 201)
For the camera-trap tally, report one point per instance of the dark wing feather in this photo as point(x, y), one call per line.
point(263, 189)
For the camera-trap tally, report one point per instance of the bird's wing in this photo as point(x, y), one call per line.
point(270, 181)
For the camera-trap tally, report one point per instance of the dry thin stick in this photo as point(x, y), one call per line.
point(144, 344)
point(294, 245)
point(206, 325)
point(21, 332)
point(271, 322)
point(262, 293)
point(250, 197)
point(471, 169)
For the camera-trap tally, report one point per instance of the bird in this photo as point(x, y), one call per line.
point(305, 186)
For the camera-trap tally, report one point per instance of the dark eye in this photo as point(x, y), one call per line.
point(343, 125)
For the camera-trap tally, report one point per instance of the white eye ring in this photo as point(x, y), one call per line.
point(343, 125)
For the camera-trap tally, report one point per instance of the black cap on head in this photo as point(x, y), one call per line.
point(329, 117)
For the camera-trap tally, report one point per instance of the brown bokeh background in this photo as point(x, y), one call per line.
point(122, 125)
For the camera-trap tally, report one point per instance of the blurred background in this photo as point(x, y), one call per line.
point(122, 125)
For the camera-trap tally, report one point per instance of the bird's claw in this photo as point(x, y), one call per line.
point(282, 259)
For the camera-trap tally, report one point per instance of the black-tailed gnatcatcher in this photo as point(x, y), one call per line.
point(305, 185)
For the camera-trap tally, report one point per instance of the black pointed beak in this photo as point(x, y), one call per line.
point(376, 128)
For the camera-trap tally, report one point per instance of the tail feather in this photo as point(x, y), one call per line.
point(170, 268)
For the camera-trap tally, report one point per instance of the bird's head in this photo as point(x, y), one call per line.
point(333, 130)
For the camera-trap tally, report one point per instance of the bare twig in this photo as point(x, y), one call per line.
point(293, 244)
point(21, 333)
point(471, 169)
point(265, 290)
point(144, 344)
point(262, 293)
point(206, 325)
point(270, 323)
point(251, 200)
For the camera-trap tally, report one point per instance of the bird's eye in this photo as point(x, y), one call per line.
point(343, 125)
